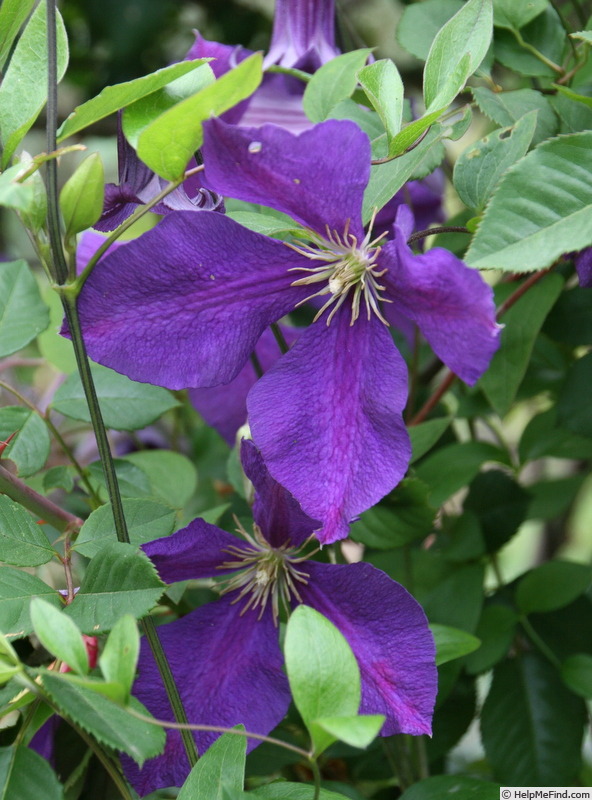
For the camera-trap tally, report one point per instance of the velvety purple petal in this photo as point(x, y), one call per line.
point(423, 197)
point(451, 304)
point(196, 551)
point(88, 244)
point(275, 103)
point(327, 419)
point(317, 177)
point(185, 303)
point(228, 669)
point(388, 632)
point(583, 262)
point(43, 742)
point(225, 407)
point(303, 33)
point(275, 510)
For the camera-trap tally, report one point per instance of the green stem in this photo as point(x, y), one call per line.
point(317, 778)
point(76, 286)
point(18, 491)
point(279, 337)
point(256, 365)
point(68, 295)
point(96, 417)
point(537, 53)
point(149, 629)
point(176, 726)
point(539, 643)
point(294, 73)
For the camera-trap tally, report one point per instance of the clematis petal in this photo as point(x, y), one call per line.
point(583, 262)
point(327, 419)
point(317, 177)
point(303, 34)
point(228, 669)
point(451, 304)
point(225, 407)
point(275, 511)
point(185, 303)
point(196, 551)
point(389, 635)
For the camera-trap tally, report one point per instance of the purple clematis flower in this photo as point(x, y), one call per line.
point(185, 304)
point(138, 184)
point(224, 408)
point(225, 655)
point(583, 264)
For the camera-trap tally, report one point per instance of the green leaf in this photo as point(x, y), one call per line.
point(12, 15)
point(387, 179)
point(81, 198)
point(17, 589)
point(452, 643)
point(21, 541)
point(357, 731)
point(468, 33)
point(456, 599)
point(119, 580)
point(481, 165)
point(59, 478)
point(133, 481)
point(58, 634)
point(541, 209)
point(145, 111)
point(576, 672)
point(531, 725)
point(455, 787)
point(552, 498)
point(27, 197)
point(168, 144)
point(55, 348)
point(268, 224)
point(421, 22)
point(285, 790)
point(424, 436)
point(454, 466)
point(522, 324)
point(384, 88)
point(23, 314)
point(412, 132)
point(146, 520)
point(24, 89)
point(25, 775)
point(506, 108)
point(573, 407)
point(570, 319)
point(322, 670)
point(220, 769)
point(113, 98)
point(172, 476)
point(29, 449)
point(108, 723)
point(333, 82)
point(552, 585)
point(501, 505)
point(496, 630)
point(403, 517)
point(119, 658)
point(126, 405)
point(545, 34)
point(510, 14)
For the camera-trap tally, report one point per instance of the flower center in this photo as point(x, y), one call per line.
point(348, 270)
point(267, 574)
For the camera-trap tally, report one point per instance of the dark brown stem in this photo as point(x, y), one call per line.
point(433, 231)
point(14, 488)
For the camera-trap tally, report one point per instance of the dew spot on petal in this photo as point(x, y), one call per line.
point(255, 147)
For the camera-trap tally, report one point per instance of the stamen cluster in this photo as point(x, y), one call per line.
point(266, 573)
point(350, 270)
